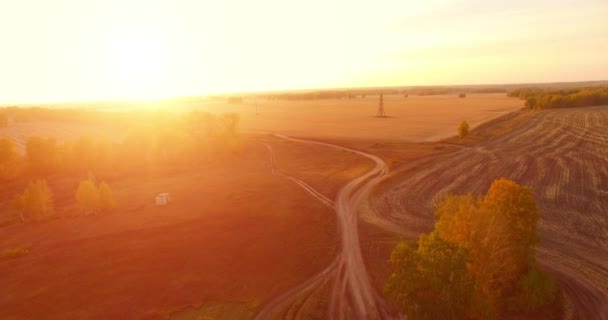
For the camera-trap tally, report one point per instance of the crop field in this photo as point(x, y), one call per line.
point(213, 249)
point(415, 118)
point(412, 119)
point(561, 155)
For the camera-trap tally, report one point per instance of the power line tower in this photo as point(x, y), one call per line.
point(381, 113)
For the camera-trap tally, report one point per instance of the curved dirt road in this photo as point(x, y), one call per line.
point(562, 156)
point(352, 294)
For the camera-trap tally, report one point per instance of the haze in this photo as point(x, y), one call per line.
point(78, 50)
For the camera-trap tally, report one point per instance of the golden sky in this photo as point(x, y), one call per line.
point(60, 50)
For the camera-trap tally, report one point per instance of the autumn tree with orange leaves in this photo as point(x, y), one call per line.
point(477, 262)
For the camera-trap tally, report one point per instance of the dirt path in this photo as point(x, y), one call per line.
point(352, 293)
point(562, 155)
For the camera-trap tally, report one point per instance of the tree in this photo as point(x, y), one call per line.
point(8, 158)
point(463, 129)
point(497, 235)
point(431, 282)
point(536, 288)
point(106, 197)
point(531, 103)
point(36, 201)
point(42, 154)
point(462, 95)
point(87, 196)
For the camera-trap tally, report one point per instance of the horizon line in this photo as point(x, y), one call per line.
point(277, 91)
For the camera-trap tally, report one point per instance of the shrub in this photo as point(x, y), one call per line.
point(463, 129)
point(36, 201)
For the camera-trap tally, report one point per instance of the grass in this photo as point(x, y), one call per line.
point(14, 252)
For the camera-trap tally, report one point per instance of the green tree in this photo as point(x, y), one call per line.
point(431, 282)
point(536, 289)
point(87, 196)
point(463, 129)
point(106, 197)
point(36, 201)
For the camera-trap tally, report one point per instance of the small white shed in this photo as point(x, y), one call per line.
point(162, 199)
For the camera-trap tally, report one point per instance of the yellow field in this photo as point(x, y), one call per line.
point(416, 118)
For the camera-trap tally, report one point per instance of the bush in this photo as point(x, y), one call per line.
point(463, 129)
point(462, 95)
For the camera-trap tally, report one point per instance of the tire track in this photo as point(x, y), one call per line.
point(562, 156)
point(352, 293)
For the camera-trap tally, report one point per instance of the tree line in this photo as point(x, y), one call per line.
point(36, 202)
point(179, 140)
point(163, 144)
point(537, 98)
point(477, 263)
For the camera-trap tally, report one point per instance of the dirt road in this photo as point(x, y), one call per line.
point(352, 294)
point(562, 155)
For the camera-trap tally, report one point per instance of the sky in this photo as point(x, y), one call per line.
point(71, 50)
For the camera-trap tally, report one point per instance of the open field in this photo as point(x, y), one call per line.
point(214, 252)
point(327, 174)
point(412, 119)
point(416, 118)
point(561, 155)
point(216, 247)
point(19, 132)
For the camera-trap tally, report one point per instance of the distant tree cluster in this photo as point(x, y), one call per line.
point(191, 138)
point(477, 263)
point(562, 98)
point(36, 201)
point(92, 199)
point(9, 159)
point(163, 143)
point(431, 91)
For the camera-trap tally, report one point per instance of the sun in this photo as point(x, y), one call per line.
point(137, 63)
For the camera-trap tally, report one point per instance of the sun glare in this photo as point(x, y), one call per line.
point(137, 63)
